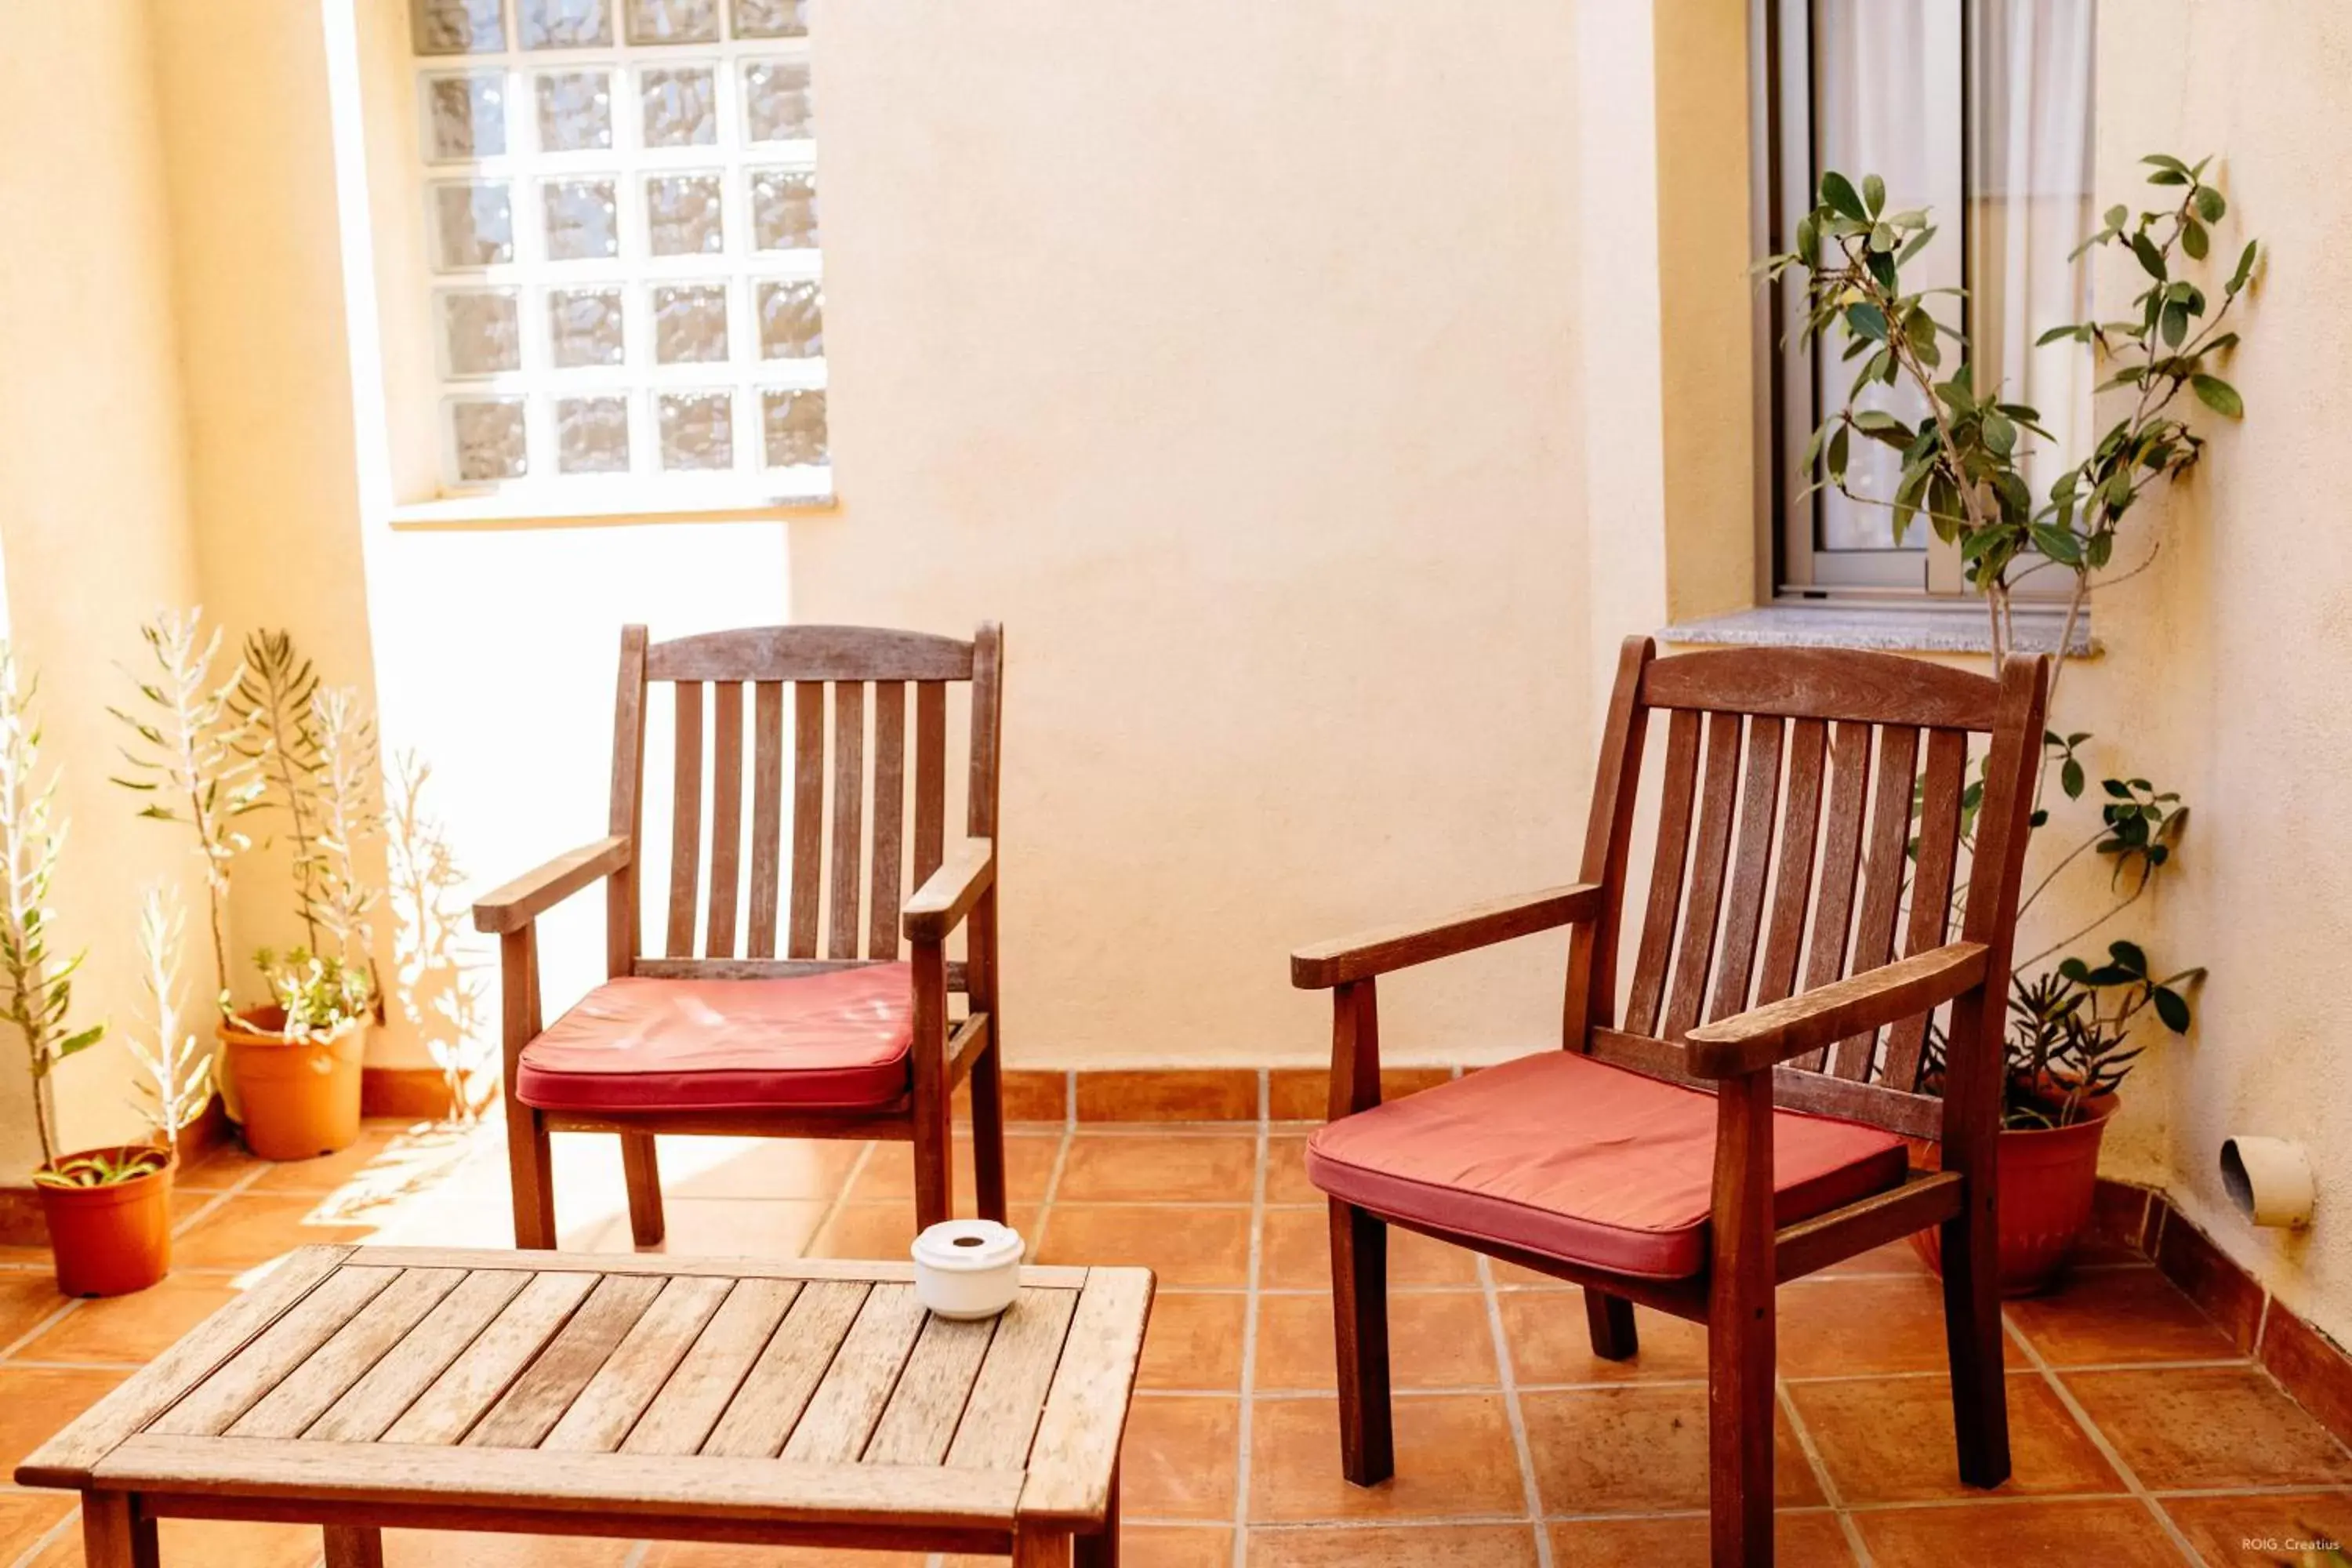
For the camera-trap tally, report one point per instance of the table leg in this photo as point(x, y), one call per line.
point(354, 1546)
point(1102, 1550)
point(1040, 1546)
point(113, 1534)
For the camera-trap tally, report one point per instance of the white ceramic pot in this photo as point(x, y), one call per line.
point(967, 1268)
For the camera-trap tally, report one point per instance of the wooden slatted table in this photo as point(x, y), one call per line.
point(788, 1402)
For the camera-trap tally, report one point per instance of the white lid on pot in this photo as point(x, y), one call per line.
point(967, 1245)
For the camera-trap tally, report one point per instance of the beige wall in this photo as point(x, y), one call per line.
point(94, 526)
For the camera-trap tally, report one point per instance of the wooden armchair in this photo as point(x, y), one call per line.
point(1604, 1163)
point(733, 1040)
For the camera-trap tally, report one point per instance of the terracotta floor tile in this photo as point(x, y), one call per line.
point(1182, 1458)
point(2017, 1535)
point(26, 1517)
point(1286, 1173)
point(1894, 1258)
point(1799, 1540)
point(1437, 1340)
point(1640, 1449)
point(249, 1229)
point(2198, 1427)
point(25, 1298)
point(34, 1402)
point(758, 1167)
point(133, 1329)
point(389, 1157)
point(1146, 1546)
point(2118, 1315)
point(1890, 1441)
point(440, 1549)
point(1194, 1342)
point(217, 1168)
point(2219, 1527)
point(1114, 1168)
point(1297, 1254)
point(887, 1230)
point(1835, 1327)
point(1183, 1247)
point(1453, 1457)
point(724, 1228)
point(890, 1171)
point(707, 1555)
point(1397, 1546)
point(1550, 1344)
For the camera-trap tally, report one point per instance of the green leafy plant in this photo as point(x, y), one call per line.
point(345, 786)
point(319, 995)
point(273, 703)
point(175, 1074)
point(35, 988)
point(1961, 458)
point(440, 995)
point(102, 1168)
point(193, 756)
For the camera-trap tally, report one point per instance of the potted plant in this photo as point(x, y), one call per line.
point(210, 753)
point(1961, 449)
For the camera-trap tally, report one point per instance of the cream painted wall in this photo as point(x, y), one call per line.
point(2240, 642)
point(1228, 354)
point(95, 526)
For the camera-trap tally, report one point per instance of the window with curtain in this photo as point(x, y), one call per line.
point(1981, 111)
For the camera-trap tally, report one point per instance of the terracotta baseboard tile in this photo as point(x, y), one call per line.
point(2122, 1213)
point(1036, 1095)
point(1304, 1094)
point(2230, 1296)
point(422, 1093)
point(1172, 1094)
point(2312, 1367)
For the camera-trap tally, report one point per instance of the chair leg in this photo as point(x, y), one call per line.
point(1360, 1307)
point(1610, 1320)
point(1739, 1361)
point(642, 1169)
point(354, 1546)
point(527, 1174)
point(1972, 1335)
point(934, 1169)
point(988, 1129)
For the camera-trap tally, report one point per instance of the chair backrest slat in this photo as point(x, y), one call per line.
point(849, 815)
point(1718, 799)
point(726, 817)
point(1751, 866)
point(767, 812)
point(686, 819)
point(1786, 856)
point(889, 815)
point(830, 888)
point(808, 815)
point(1793, 884)
point(931, 778)
point(1935, 857)
point(1666, 873)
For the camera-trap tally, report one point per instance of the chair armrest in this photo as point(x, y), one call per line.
point(1777, 1031)
point(939, 905)
point(522, 900)
point(1371, 953)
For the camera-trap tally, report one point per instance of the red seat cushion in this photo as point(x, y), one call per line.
point(832, 1041)
point(1571, 1158)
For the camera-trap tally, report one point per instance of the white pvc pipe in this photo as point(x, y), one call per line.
point(2269, 1179)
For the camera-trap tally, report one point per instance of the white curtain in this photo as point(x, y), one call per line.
point(1888, 82)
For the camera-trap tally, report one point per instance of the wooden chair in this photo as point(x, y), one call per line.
point(1600, 1164)
point(733, 1039)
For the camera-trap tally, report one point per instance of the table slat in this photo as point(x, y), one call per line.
point(393, 1384)
point(605, 1410)
point(841, 1416)
point(475, 1379)
point(277, 1351)
point(764, 1410)
point(1071, 1462)
point(306, 1393)
point(65, 1458)
point(691, 1404)
point(1010, 1392)
point(530, 1408)
point(920, 1419)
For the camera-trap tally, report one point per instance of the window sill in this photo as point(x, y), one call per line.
point(591, 504)
point(1896, 629)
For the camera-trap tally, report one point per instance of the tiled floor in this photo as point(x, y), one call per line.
point(2141, 1435)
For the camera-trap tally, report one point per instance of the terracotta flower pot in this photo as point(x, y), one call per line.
point(111, 1240)
point(2048, 1176)
point(297, 1098)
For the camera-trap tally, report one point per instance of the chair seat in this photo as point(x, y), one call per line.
point(836, 1040)
point(1574, 1159)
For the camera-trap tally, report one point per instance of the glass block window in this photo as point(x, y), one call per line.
point(621, 229)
